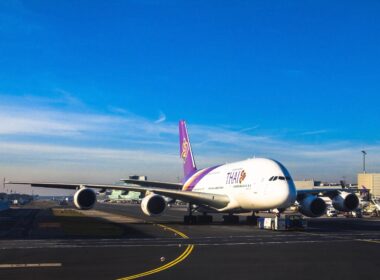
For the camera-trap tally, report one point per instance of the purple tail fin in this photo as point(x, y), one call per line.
point(189, 167)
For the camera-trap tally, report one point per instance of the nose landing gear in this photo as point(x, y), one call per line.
point(252, 220)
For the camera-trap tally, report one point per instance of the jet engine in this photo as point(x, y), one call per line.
point(345, 202)
point(312, 206)
point(153, 205)
point(84, 199)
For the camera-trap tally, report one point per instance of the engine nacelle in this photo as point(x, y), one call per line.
point(85, 199)
point(345, 202)
point(312, 206)
point(153, 205)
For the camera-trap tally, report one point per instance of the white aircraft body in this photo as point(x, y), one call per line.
point(246, 186)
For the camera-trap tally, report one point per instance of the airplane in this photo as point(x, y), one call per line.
point(252, 185)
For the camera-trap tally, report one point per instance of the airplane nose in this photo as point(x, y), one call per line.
point(286, 194)
point(292, 192)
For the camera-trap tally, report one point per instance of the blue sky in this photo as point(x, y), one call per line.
point(94, 89)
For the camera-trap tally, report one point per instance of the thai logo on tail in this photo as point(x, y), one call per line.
point(185, 149)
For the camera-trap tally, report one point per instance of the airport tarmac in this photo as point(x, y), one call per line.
point(38, 243)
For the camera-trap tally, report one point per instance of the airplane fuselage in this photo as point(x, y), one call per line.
point(252, 185)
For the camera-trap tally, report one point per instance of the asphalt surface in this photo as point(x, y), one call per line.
point(34, 245)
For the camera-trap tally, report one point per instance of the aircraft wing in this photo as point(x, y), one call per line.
point(67, 186)
point(154, 184)
point(216, 201)
point(322, 191)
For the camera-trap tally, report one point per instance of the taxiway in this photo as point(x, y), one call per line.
point(119, 242)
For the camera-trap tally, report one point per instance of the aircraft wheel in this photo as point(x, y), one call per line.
point(190, 220)
point(204, 219)
point(230, 219)
point(252, 220)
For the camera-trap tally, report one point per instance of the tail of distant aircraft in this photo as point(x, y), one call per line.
point(189, 167)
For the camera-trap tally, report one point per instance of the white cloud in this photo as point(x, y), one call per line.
point(40, 121)
point(79, 153)
point(315, 132)
point(161, 118)
point(249, 128)
point(72, 164)
point(118, 144)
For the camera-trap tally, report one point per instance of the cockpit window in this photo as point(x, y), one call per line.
point(282, 178)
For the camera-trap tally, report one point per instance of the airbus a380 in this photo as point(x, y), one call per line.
point(252, 185)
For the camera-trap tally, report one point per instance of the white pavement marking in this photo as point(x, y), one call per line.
point(30, 265)
point(369, 240)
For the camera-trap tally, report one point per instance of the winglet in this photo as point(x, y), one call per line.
point(189, 167)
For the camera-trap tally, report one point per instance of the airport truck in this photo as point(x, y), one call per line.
point(283, 222)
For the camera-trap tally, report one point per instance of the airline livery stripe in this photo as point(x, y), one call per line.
point(190, 184)
point(199, 178)
point(192, 179)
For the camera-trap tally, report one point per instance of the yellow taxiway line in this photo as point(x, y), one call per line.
point(180, 258)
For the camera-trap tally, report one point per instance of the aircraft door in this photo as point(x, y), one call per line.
point(262, 186)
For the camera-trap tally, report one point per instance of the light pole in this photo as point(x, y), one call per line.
point(364, 154)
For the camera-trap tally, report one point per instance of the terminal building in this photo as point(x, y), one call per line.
point(306, 184)
point(313, 184)
point(371, 182)
point(121, 195)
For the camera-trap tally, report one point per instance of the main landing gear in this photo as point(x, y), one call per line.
point(230, 219)
point(234, 220)
point(252, 220)
point(190, 219)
